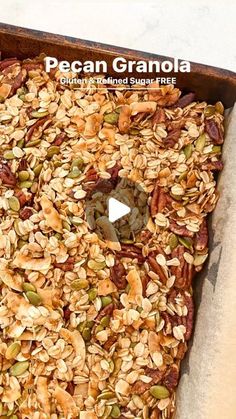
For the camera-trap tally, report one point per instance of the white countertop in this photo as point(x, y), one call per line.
point(202, 31)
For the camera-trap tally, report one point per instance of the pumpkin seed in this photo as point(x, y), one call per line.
point(33, 143)
point(92, 294)
point(27, 286)
point(117, 365)
point(173, 241)
point(23, 175)
point(98, 329)
point(106, 300)
point(159, 392)
point(13, 350)
point(14, 203)
point(133, 131)
point(200, 143)
point(38, 169)
point(111, 118)
point(26, 184)
point(66, 225)
point(209, 110)
point(36, 114)
point(79, 284)
point(96, 266)
point(20, 143)
point(22, 97)
point(74, 173)
point(176, 197)
point(21, 243)
point(86, 334)
point(199, 259)
point(106, 395)
point(2, 99)
point(188, 151)
point(52, 151)
point(216, 149)
point(219, 107)
point(182, 176)
point(8, 155)
point(34, 298)
point(79, 163)
point(19, 368)
point(186, 242)
point(105, 321)
point(115, 412)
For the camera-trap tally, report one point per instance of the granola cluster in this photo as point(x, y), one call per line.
point(88, 329)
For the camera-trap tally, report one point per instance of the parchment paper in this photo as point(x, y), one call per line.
point(207, 387)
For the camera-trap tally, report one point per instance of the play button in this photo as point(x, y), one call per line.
point(116, 210)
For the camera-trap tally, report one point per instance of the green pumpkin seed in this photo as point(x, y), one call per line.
point(74, 173)
point(21, 243)
point(86, 334)
point(52, 151)
point(32, 143)
point(182, 176)
point(111, 118)
point(20, 143)
point(26, 184)
point(134, 131)
point(19, 368)
point(117, 366)
point(115, 412)
point(34, 298)
point(66, 225)
point(23, 175)
point(79, 284)
point(186, 242)
point(36, 114)
point(38, 169)
point(8, 155)
point(209, 111)
point(106, 395)
point(22, 97)
point(173, 241)
point(99, 328)
point(14, 203)
point(199, 259)
point(13, 350)
point(2, 99)
point(200, 143)
point(216, 149)
point(188, 151)
point(159, 392)
point(96, 266)
point(27, 286)
point(79, 163)
point(127, 241)
point(176, 197)
point(219, 107)
point(106, 300)
point(105, 321)
point(92, 294)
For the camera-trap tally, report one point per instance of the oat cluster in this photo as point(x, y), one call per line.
point(92, 327)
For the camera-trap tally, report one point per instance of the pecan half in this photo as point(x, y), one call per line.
point(43, 122)
point(110, 341)
point(184, 272)
point(171, 377)
point(32, 66)
point(23, 164)
point(172, 138)
point(25, 213)
point(60, 138)
point(140, 387)
point(214, 131)
point(118, 275)
point(155, 413)
point(180, 230)
point(106, 311)
point(8, 178)
point(130, 251)
point(185, 100)
point(70, 388)
point(190, 316)
point(201, 240)
point(213, 165)
point(68, 265)
point(157, 268)
point(8, 62)
point(158, 117)
point(24, 199)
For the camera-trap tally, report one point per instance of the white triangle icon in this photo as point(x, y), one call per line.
point(116, 209)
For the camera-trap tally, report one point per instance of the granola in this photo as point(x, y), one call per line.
point(95, 328)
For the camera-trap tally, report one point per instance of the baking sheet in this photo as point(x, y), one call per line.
point(207, 388)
